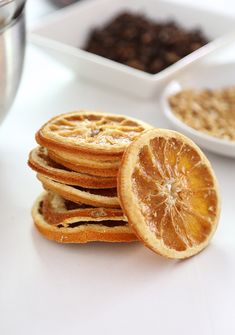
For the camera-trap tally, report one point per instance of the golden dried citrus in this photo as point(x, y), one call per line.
point(169, 193)
point(91, 133)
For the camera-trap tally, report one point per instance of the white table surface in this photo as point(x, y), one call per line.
point(47, 288)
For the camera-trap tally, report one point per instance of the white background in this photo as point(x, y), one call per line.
point(47, 288)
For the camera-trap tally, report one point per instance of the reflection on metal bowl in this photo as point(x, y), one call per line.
point(12, 47)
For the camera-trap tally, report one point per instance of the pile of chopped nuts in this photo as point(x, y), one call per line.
point(209, 111)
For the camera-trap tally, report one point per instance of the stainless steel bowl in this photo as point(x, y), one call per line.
point(12, 48)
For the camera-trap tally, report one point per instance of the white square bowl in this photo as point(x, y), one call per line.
point(64, 33)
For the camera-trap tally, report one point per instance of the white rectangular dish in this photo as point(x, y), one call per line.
point(64, 33)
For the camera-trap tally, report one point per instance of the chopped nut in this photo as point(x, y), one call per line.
point(209, 111)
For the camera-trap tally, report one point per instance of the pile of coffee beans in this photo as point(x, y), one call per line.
point(137, 41)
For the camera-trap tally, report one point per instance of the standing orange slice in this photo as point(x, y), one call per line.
point(169, 193)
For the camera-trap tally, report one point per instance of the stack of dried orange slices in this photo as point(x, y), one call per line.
point(77, 163)
point(166, 186)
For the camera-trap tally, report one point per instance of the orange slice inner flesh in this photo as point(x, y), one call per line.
point(176, 193)
point(96, 129)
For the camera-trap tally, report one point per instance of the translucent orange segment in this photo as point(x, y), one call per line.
point(171, 152)
point(180, 229)
point(158, 148)
point(169, 235)
point(204, 202)
point(187, 159)
point(200, 177)
point(197, 228)
point(148, 164)
point(142, 184)
point(154, 218)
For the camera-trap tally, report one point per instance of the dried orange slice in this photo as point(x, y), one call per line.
point(91, 133)
point(106, 197)
point(169, 193)
point(93, 170)
point(79, 230)
point(42, 163)
point(90, 161)
point(57, 210)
